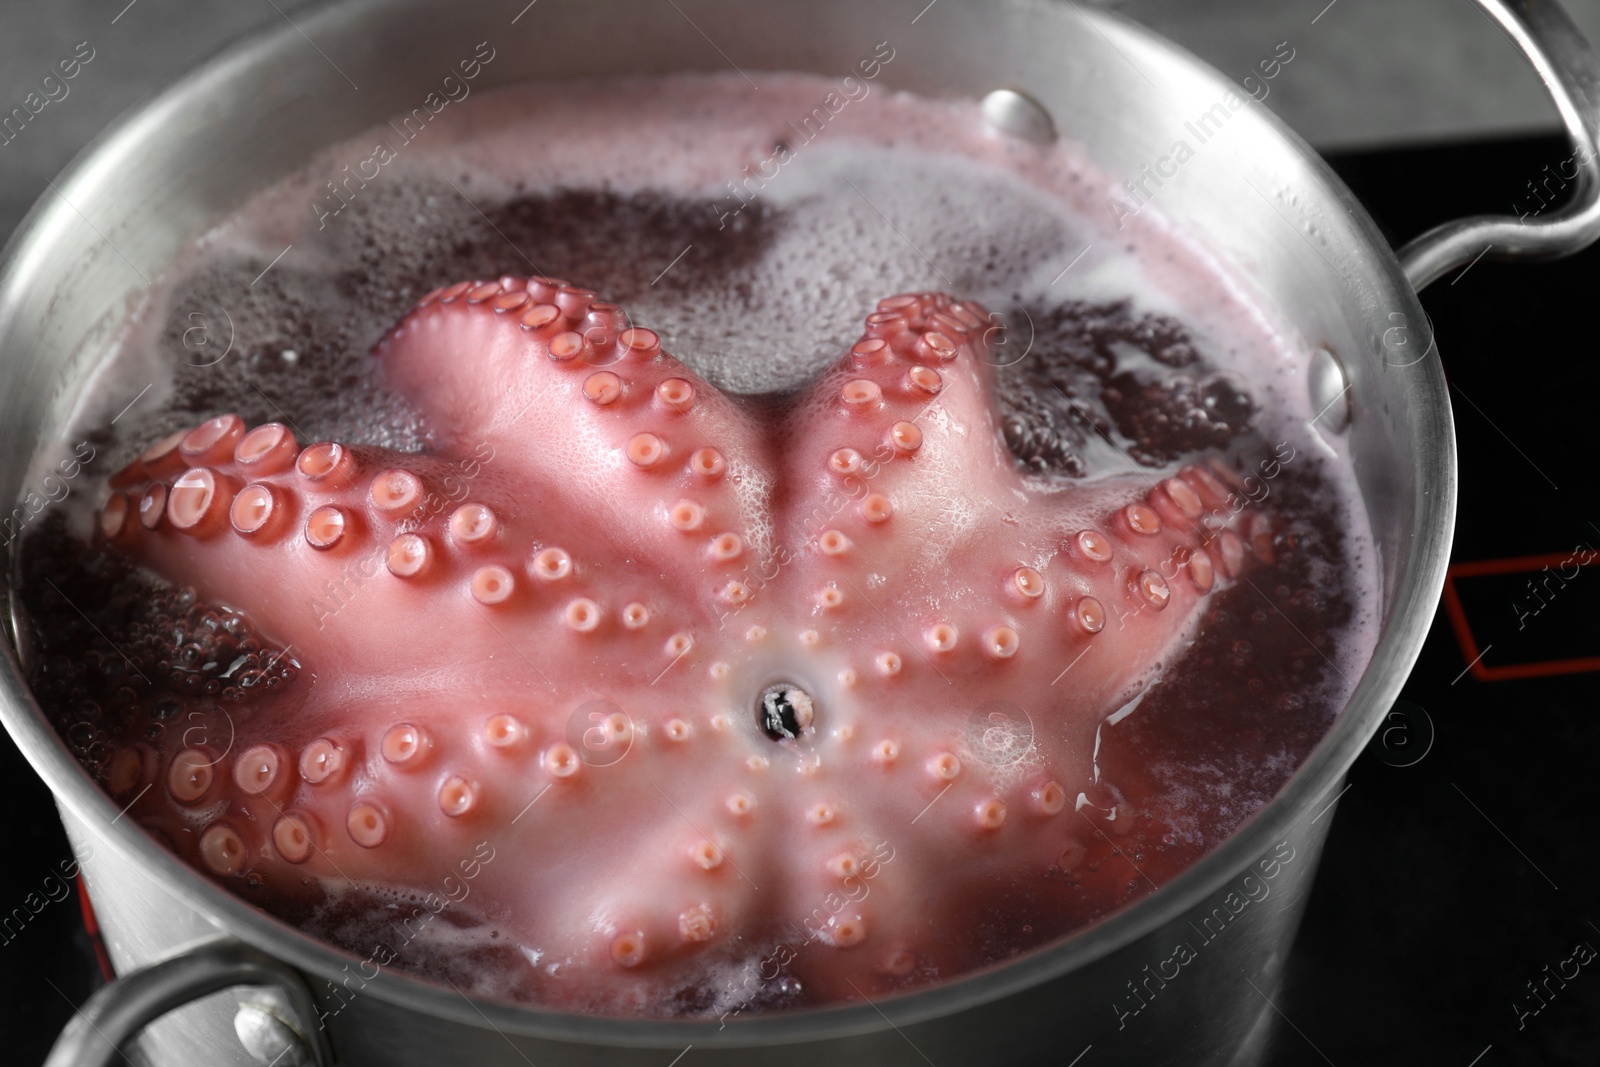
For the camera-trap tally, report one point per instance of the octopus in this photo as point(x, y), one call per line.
point(672, 676)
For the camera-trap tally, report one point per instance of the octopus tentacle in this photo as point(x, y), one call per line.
point(617, 429)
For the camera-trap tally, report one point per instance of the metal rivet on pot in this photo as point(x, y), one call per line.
point(268, 1038)
point(1015, 112)
point(1330, 391)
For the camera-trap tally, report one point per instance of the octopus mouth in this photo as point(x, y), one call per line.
point(785, 711)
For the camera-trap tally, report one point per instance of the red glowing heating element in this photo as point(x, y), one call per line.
point(1462, 626)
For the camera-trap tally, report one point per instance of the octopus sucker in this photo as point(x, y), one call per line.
point(223, 849)
point(395, 491)
point(697, 667)
point(505, 731)
point(199, 500)
point(153, 505)
point(212, 441)
point(295, 836)
point(324, 762)
point(368, 824)
point(256, 510)
point(115, 516)
point(263, 770)
point(409, 556)
point(326, 527)
point(162, 458)
point(493, 584)
point(326, 466)
point(268, 449)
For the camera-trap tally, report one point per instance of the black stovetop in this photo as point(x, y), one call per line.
point(1458, 870)
point(1451, 884)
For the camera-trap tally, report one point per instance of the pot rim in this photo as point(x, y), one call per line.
point(1399, 644)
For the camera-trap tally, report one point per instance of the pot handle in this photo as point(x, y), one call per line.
point(1570, 69)
point(118, 1011)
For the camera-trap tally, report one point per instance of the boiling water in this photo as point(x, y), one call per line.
point(753, 237)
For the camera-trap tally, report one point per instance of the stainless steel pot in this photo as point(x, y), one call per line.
point(235, 986)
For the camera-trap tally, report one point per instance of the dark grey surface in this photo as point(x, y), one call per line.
point(1372, 72)
point(1365, 72)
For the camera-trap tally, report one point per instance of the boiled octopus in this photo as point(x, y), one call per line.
point(676, 675)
